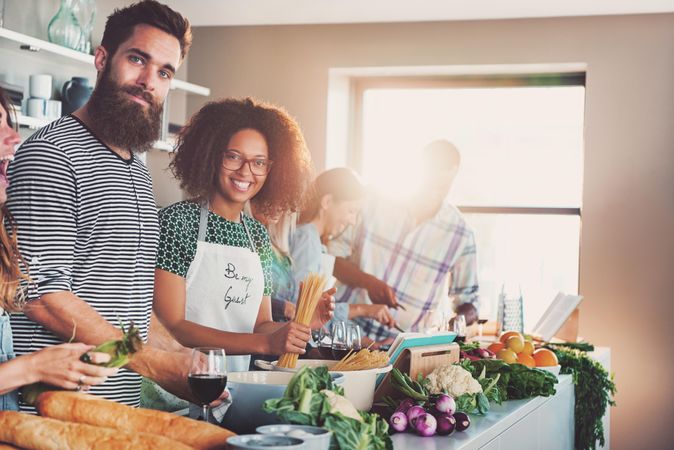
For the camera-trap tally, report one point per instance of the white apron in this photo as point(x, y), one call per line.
point(225, 285)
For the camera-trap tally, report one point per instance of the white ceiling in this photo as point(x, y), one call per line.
point(275, 12)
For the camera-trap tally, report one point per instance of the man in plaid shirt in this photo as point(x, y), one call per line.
point(412, 256)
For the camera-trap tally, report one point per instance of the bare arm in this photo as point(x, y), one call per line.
point(166, 368)
point(378, 291)
point(268, 337)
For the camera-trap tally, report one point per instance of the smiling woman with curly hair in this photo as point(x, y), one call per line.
point(201, 146)
point(213, 276)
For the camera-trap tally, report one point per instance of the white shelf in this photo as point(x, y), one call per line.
point(38, 44)
point(31, 122)
point(34, 124)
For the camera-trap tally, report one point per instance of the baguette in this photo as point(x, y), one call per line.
point(40, 433)
point(91, 410)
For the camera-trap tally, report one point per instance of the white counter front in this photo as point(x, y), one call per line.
point(536, 423)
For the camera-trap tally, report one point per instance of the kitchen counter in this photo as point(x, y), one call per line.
point(535, 423)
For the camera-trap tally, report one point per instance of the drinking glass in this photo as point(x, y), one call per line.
point(339, 344)
point(324, 342)
point(207, 377)
point(353, 337)
point(459, 327)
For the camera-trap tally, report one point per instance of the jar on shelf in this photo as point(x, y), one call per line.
point(64, 29)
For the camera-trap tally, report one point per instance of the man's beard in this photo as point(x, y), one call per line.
point(120, 121)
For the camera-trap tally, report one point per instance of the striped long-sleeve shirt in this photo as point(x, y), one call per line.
point(425, 264)
point(87, 223)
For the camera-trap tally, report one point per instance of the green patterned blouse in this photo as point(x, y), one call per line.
point(179, 227)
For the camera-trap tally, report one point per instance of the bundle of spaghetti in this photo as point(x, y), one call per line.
point(310, 294)
point(361, 360)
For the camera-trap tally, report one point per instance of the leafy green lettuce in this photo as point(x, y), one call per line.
point(304, 402)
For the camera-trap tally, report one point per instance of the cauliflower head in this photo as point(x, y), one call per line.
point(453, 380)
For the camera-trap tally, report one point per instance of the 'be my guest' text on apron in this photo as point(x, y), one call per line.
point(225, 285)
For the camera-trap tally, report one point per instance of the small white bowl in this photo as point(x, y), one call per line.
point(264, 442)
point(316, 438)
point(552, 369)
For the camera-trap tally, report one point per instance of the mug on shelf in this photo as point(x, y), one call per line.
point(40, 85)
point(53, 110)
point(36, 107)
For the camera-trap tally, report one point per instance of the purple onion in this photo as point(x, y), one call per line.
point(425, 425)
point(445, 404)
point(462, 421)
point(405, 405)
point(398, 421)
point(413, 412)
point(446, 424)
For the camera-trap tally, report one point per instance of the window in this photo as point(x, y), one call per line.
point(520, 181)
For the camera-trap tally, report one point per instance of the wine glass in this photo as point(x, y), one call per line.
point(353, 337)
point(324, 342)
point(459, 327)
point(339, 344)
point(207, 377)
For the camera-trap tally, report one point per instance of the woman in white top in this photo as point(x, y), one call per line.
point(58, 365)
point(332, 203)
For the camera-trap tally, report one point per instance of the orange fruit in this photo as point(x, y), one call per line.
point(545, 358)
point(526, 360)
point(507, 355)
point(507, 334)
point(515, 343)
point(496, 346)
point(528, 348)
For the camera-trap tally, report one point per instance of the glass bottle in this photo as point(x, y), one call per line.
point(63, 27)
point(85, 11)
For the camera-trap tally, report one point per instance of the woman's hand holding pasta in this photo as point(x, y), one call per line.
point(290, 338)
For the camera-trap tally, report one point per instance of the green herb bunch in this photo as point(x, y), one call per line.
point(595, 391)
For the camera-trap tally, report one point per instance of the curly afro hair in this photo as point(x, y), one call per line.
point(198, 158)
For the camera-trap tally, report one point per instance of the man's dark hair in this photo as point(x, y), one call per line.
point(121, 23)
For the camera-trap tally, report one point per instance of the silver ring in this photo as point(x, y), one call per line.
point(80, 382)
point(78, 387)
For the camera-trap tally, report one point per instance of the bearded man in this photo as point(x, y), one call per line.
point(83, 203)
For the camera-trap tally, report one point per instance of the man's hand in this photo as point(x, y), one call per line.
point(381, 293)
point(380, 313)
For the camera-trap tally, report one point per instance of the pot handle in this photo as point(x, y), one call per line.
point(64, 91)
point(264, 365)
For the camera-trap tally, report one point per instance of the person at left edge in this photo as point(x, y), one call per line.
point(85, 212)
point(213, 277)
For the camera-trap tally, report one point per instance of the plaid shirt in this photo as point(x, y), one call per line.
point(423, 263)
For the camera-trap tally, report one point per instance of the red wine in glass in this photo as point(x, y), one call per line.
point(339, 352)
point(205, 387)
point(207, 377)
point(325, 351)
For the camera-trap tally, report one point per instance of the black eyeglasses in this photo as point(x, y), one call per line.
point(234, 161)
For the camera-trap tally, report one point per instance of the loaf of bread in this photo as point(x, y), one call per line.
point(42, 433)
point(83, 408)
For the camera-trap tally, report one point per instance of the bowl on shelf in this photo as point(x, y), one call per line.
point(249, 390)
point(316, 438)
point(265, 442)
point(359, 385)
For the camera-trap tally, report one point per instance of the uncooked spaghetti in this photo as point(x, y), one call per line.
point(310, 294)
point(361, 360)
